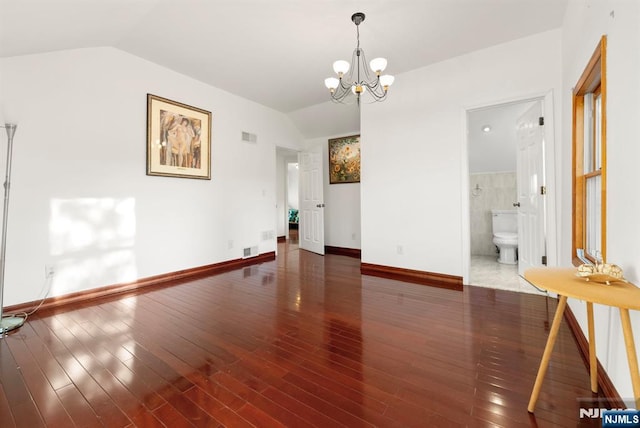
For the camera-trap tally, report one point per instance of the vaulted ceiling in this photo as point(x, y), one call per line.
point(274, 52)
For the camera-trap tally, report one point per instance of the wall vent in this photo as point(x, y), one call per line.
point(248, 137)
point(249, 252)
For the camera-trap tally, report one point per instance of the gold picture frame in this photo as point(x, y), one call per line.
point(344, 160)
point(178, 139)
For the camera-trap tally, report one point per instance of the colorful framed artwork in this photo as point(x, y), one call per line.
point(178, 139)
point(344, 160)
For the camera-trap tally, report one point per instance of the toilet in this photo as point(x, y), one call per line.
point(505, 235)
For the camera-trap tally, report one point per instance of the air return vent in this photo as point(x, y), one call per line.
point(248, 137)
point(249, 252)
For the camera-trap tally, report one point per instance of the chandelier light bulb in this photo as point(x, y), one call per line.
point(331, 83)
point(386, 81)
point(378, 65)
point(341, 67)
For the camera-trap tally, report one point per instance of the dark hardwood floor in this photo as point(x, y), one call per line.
point(301, 341)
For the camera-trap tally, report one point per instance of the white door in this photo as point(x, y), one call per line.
point(311, 222)
point(531, 190)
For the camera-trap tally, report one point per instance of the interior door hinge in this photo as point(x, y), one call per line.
point(541, 121)
point(544, 260)
point(543, 190)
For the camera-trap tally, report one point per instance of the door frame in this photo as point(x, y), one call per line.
point(551, 214)
point(287, 162)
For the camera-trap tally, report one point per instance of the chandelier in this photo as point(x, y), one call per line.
point(355, 78)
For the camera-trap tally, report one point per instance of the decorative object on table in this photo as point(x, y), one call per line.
point(344, 160)
point(178, 139)
point(605, 273)
point(355, 78)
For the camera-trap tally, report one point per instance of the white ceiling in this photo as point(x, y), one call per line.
point(274, 52)
point(496, 150)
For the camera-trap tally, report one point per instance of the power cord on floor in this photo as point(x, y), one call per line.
point(539, 289)
point(48, 281)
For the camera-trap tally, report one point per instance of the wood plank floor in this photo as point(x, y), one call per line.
point(301, 341)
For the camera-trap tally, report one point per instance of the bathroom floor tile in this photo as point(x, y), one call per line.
point(487, 272)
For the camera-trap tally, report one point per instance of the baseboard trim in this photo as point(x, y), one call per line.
point(155, 281)
point(282, 238)
point(450, 282)
point(341, 251)
point(604, 382)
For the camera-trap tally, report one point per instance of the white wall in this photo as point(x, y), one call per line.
point(584, 24)
point(414, 162)
point(342, 202)
point(80, 199)
point(293, 182)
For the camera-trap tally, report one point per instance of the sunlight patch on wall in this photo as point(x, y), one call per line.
point(80, 224)
point(91, 242)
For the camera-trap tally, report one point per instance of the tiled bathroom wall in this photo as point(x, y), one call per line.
point(488, 191)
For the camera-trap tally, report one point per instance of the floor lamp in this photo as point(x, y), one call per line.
point(11, 322)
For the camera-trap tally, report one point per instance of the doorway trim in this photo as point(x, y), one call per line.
point(284, 156)
point(550, 181)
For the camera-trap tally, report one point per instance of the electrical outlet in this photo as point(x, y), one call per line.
point(49, 270)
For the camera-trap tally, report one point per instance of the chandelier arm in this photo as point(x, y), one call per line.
point(375, 87)
point(371, 81)
point(377, 95)
point(376, 90)
point(354, 65)
point(345, 85)
point(341, 91)
point(365, 65)
point(358, 80)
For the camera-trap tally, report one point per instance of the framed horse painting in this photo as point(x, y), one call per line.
point(178, 139)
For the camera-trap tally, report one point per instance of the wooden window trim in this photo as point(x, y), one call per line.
point(593, 174)
point(593, 79)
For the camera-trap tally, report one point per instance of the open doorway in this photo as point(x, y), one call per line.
point(287, 194)
point(499, 234)
point(293, 206)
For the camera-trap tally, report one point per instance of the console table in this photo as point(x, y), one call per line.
point(565, 283)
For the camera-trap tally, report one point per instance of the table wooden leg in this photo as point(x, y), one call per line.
point(542, 370)
point(593, 359)
point(631, 354)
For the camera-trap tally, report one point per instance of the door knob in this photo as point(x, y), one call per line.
point(516, 204)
